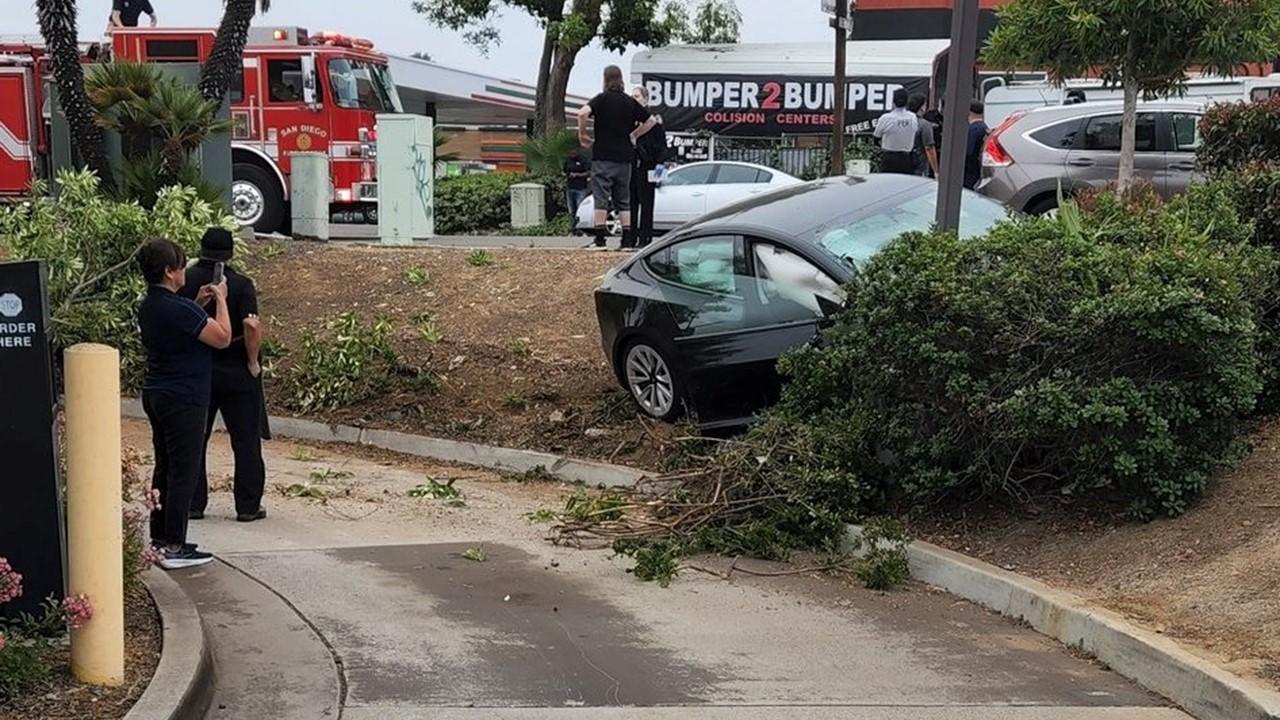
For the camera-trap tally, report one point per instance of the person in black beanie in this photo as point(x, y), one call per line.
point(237, 386)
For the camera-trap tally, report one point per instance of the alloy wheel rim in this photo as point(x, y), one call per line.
point(650, 380)
point(247, 202)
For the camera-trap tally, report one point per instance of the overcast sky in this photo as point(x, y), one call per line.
point(394, 27)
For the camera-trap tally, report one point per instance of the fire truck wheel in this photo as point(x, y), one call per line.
point(256, 198)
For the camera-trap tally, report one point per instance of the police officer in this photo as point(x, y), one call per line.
point(237, 387)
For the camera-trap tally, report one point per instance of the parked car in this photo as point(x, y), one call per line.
point(692, 190)
point(1029, 155)
point(698, 320)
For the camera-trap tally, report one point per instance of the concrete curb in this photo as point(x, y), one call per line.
point(455, 451)
point(1159, 664)
point(182, 687)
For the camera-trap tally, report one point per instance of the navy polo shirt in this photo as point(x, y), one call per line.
point(178, 364)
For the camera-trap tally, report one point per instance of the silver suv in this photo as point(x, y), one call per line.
point(1030, 154)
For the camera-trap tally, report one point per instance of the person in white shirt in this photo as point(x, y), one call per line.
point(896, 130)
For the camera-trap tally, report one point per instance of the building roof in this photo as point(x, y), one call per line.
point(911, 58)
point(463, 97)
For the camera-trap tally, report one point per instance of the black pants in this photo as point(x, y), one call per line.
point(642, 196)
point(177, 433)
point(242, 413)
point(902, 163)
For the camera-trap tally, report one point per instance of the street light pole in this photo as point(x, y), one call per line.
point(841, 23)
point(960, 63)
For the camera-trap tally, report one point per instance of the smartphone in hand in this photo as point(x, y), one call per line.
point(218, 270)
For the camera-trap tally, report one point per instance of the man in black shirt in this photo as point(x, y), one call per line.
point(577, 176)
point(125, 13)
point(619, 120)
point(237, 389)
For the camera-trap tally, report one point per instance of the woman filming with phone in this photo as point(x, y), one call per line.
point(179, 338)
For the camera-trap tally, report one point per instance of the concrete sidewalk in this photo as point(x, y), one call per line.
point(366, 603)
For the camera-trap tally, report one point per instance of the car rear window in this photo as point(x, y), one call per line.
point(854, 238)
point(698, 175)
point(1061, 135)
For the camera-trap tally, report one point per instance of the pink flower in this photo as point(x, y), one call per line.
point(79, 610)
point(151, 557)
point(152, 500)
point(10, 582)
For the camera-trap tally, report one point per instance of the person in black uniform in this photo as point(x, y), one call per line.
point(178, 336)
point(651, 149)
point(236, 389)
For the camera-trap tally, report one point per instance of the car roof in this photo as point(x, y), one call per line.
point(1089, 109)
point(791, 211)
point(753, 166)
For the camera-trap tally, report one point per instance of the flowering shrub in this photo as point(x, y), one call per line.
point(139, 502)
point(27, 641)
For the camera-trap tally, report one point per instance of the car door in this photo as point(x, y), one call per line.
point(734, 182)
point(1180, 158)
point(787, 298)
point(682, 196)
point(1095, 159)
point(702, 283)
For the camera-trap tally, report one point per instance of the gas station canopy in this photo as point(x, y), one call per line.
point(463, 98)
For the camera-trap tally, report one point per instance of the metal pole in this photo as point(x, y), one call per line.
point(94, 555)
point(960, 63)
point(841, 24)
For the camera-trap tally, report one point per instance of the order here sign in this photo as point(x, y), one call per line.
point(763, 106)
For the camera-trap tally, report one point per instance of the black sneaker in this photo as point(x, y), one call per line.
point(261, 514)
point(186, 557)
point(159, 545)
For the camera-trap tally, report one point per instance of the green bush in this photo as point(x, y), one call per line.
point(472, 203)
point(1237, 134)
point(348, 363)
point(88, 243)
point(1112, 352)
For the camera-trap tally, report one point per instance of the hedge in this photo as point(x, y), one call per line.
point(482, 203)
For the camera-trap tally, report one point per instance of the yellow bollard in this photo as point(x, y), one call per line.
point(94, 556)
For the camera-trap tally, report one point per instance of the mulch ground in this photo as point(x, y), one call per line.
point(519, 359)
point(1210, 578)
point(61, 697)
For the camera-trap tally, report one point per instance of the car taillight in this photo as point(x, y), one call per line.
point(993, 153)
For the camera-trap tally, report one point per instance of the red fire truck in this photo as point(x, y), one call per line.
point(296, 92)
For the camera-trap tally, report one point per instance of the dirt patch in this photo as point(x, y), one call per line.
point(1210, 578)
point(61, 697)
point(518, 355)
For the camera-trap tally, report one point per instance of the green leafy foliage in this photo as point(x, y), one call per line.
point(88, 243)
point(481, 258)
point(1237, 135)
point(545, 155)
point(711, 22)
point(416, 276)
point(475, 554)
point(349, 362)
point(471, 203)
point(541, 515)
point(884, 564)
point(1111, 352)
point(433, 489)
point(425, 323)
point(656, 560)
point(600, 507)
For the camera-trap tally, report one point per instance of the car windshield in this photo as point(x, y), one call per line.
point(855, 237)
point(362, 85)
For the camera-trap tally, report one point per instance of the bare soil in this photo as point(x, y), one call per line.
point(519, 360)
point(1210, 578)
point(61, 697)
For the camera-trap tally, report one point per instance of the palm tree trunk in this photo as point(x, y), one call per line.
point(58, 27)
point(228, 49)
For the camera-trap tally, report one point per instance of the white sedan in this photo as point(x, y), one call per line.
point(693, 190)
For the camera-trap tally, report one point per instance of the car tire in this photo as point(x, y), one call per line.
point(650, 378)
point(1042, 205)
point(257, 199)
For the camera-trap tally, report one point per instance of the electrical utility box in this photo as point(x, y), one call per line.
point(406, 178)
point(528, 205)
point(312, 191)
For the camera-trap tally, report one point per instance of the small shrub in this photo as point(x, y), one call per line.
point(481, 258)
point(349, 363)
point(427, 328)
point(656, 560)
point(514, 400)
point(416, 276)
point(473, 203)
point(436, 490)
point(28, 641)
point(1234, 135)
point(520, 347)
point(475, 554)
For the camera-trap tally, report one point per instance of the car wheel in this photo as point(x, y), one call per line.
point(651, 382)
point(1043, 206)
point(613, 225)
point(256, 198)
